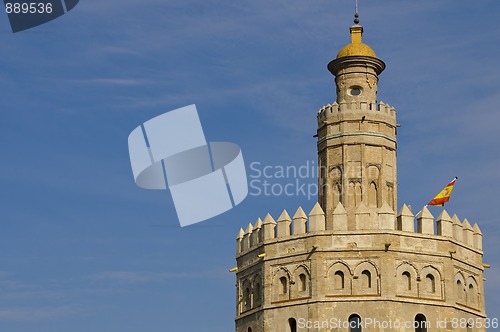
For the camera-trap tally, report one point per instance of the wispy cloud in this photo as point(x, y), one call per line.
point(25, 314)
point(142, 277)
point(115, 81)
point(8, 283)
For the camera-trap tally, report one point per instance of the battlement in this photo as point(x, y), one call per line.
point(355, 107)
point(366, 219)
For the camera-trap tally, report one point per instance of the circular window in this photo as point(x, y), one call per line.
point(355, 91)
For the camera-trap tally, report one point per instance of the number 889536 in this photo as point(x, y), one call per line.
point(28, 8)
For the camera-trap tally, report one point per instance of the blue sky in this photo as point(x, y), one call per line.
point(83, 249)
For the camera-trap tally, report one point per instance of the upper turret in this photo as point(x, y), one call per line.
point(356, 69)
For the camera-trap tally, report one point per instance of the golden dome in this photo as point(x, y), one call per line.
point(356, 47)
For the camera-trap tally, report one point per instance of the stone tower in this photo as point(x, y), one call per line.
point(353, 263)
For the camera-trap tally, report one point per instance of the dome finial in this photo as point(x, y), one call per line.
point(356, 15)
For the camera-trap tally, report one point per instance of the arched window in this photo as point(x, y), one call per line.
point(366, 277)
point(247, 299)
point(390, 195)
point(407, 280)
point(336, 178)
point(460, 291)
point(303, 282)
point(351, 201)
point(339, 280)
point(472, 296)
point(256, 293)
point(337, 194)
point(284, 285)
point(430, 283)
point(355, 323)
point(421, 323)
point(249, 329)
point(359, 194)
point(372, 195)
point(292, 323)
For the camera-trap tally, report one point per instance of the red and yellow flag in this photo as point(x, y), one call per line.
point(444, 195)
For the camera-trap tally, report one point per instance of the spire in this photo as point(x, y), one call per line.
point(356, 29)
point(356, 15)
point(356, 47)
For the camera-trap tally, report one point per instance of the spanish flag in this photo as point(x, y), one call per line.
point(444, 195)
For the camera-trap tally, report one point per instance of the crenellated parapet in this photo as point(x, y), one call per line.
point(444, 225)
point(354, 107)
point(381, 220)
point(380, 256)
